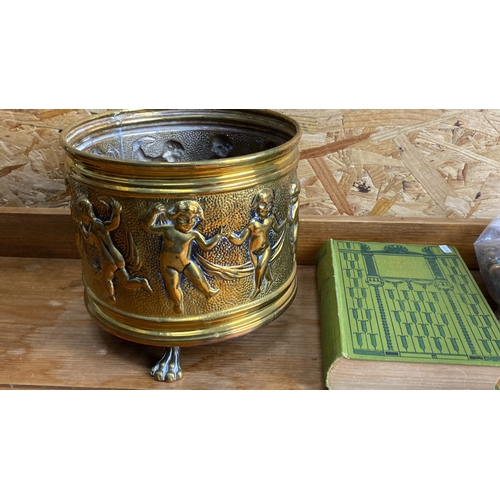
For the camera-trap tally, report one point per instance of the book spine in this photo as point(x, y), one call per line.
point(328, 308)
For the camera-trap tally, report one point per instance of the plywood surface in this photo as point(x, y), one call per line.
point(400, 163)
point(48, 340)
point(31, 159)
point(387, 163)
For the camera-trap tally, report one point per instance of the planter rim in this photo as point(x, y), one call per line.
point(104, 123)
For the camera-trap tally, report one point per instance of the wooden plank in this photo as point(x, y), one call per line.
point(48, 233)
point(40, 232)
point(48, 340)
point(458, 233)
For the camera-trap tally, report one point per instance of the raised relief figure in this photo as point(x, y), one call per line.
point(112, 262)
point(258, 230)
point(176, 226)
point(221, 145)
point(111, 151)
point(173, 151)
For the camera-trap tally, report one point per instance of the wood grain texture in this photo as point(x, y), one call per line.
point(49, 233)
point(455, 153)
point(433, 183)
point(40, 232)
point(331, 185)
point(48, 340)
point(31, 159)
point(459, 149)
point(332, 147)
point(458, 233)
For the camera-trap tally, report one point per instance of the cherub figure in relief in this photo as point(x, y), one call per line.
point(96, 232)
point(176, 227)
point(258, 231)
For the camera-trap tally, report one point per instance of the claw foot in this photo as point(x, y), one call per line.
point(169, 367)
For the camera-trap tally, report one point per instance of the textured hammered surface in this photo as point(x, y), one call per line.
point(185, 248)
point(228, 210)
point(180, 145)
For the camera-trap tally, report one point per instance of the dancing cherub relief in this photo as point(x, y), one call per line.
point(96, 232)
point(176, 226)
point(261, 251)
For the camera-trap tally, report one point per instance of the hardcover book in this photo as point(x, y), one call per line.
point(404, 317)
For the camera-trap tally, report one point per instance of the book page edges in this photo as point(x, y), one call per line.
point(350, 374)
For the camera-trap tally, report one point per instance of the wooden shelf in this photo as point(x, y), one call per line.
point(28, 232)
point(49, 341)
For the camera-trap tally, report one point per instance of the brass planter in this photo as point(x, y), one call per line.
point(186, 222)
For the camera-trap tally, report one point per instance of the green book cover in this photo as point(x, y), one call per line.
point(406, 303)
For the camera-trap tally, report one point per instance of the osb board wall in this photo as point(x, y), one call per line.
point(395, 163)
point(31, 160)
